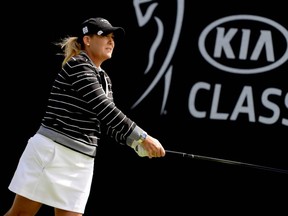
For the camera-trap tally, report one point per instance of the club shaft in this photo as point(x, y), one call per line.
point(213, 159)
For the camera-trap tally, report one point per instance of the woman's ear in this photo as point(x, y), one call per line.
point(86, 40)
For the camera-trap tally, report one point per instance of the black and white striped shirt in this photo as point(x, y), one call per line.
point(79, 108)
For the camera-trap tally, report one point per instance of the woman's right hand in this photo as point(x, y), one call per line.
point(153, 147)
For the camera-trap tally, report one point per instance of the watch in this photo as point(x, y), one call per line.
point(142, 137)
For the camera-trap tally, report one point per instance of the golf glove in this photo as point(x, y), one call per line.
point(139, 149)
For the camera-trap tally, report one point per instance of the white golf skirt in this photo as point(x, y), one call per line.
point(54, 175)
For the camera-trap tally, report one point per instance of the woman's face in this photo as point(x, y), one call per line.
point(99, 48)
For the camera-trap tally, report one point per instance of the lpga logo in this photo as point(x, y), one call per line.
point(165, 69)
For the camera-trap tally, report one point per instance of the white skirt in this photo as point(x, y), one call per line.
point(54, 175)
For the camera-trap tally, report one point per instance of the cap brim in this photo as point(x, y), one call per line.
point(118, 31)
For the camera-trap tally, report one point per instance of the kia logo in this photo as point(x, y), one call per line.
point(244, 44)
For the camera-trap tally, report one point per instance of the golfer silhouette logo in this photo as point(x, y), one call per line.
point(165, 69)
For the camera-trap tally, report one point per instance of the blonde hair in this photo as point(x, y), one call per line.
point(70, 46)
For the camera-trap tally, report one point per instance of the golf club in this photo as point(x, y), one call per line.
point(193, 156)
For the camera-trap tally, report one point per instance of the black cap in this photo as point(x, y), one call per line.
point(99, 26)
